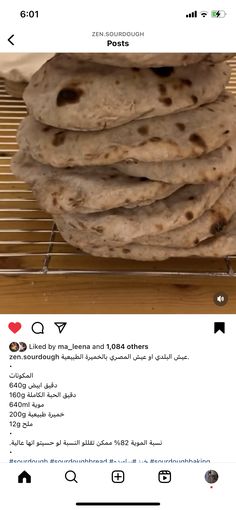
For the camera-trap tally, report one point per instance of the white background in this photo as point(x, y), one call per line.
point(190, 407)
point(196, 403)
point(68, 26)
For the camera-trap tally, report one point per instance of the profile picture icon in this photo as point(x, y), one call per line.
point(14, 346)
point(211, 476)
point(22, 346)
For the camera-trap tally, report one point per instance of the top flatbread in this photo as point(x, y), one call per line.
point(76, 95)
point(151, 59)
point(170, 137)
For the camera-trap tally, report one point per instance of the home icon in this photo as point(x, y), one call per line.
point(24, 477)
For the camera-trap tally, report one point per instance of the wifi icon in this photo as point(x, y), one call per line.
point(204, 14)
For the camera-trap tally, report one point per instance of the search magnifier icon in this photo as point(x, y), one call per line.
point(70, 476)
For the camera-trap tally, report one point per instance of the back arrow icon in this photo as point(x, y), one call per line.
point(10, 40)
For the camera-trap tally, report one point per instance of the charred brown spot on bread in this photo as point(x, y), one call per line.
point(189, 215)
point(117, 82)
point(178, 85)
point(194, 99)
point(229, 148)
point(143, 179)
point(130, 162)
point(82, 225)
point(196, 241)
point(46, 128)
point(58, 138)
point(113, 176)
point(180, 126)
point(126, 250)
point(214, 168)
point(143, 130)
point(111, 249)
point(162, 89)
point(164, 72)
point(69, 96)
point(135, 69)
point(106, 177)
point(191, 198)
point(106, 155)
point(54, 201)
point(166, 100)
point(186, 82)
point(198, 140)
point(98, 229)
point(72, 224)
point(155, 139)
point(226, 132)
point(172, 143)
point(218, 226)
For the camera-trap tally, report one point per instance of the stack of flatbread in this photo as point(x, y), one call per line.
point(134, 155)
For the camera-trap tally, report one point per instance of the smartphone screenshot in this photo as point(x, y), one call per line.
point(117, 255)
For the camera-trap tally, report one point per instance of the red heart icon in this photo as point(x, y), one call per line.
point(14, 326)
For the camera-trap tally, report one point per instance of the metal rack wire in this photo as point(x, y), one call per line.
point(30, 242)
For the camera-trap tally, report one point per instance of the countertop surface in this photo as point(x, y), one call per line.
point(109, 294)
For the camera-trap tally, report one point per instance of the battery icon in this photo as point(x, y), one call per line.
point(218, 14)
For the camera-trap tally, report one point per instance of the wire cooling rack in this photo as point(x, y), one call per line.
point(30, 242)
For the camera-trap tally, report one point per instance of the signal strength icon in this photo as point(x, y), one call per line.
point(192, 14)
point(204, 14)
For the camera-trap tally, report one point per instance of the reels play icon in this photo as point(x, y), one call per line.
point(164, 476)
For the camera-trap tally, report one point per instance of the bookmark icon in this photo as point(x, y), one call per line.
point(219, 326)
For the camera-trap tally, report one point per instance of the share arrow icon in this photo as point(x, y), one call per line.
point(60, 326)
